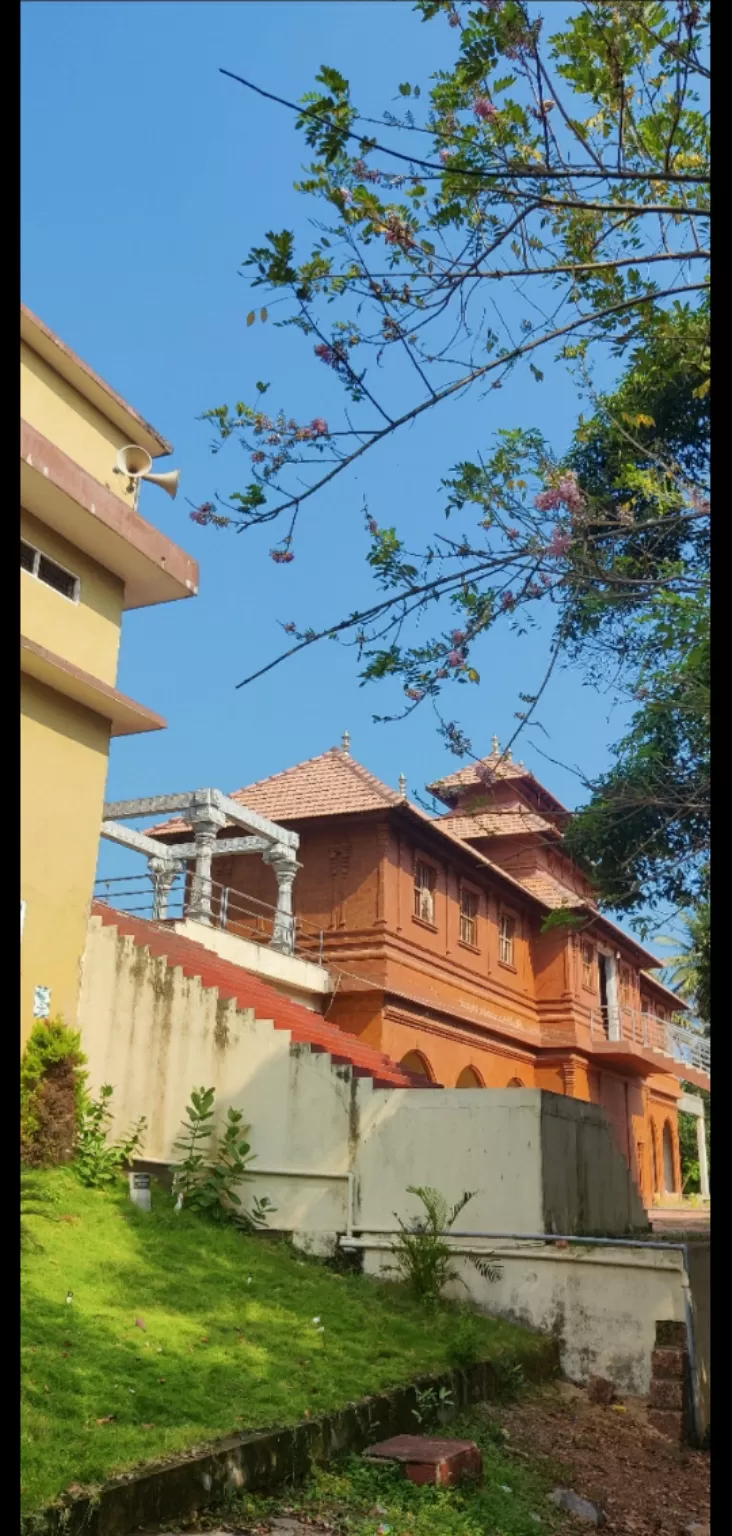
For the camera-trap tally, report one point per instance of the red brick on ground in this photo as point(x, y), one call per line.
point(429, 1460)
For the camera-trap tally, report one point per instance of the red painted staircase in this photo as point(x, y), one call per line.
point(248, 991)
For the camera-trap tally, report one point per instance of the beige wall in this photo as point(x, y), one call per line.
point(52, 405)
point(602, 1305)
point(86, 632)
point(154, 1034)
point(64, 750)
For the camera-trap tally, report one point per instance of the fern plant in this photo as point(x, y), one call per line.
point(424, 1259)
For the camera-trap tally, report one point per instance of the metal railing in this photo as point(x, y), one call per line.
point(681, 1042)
point(232, 911)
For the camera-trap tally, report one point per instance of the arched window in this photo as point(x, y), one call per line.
point(418, 1064)
point(669, 1172)
point(469, 1078)
point(515, 1082)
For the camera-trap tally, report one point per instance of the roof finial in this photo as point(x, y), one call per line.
point(495, 746)
point(346, 743)
point(403, 785)
point(509, 755)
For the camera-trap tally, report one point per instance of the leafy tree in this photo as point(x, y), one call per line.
point(573, 169)
point(689, 969)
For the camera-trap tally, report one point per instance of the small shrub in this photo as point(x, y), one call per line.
point(52, 1094)
point(433, 1406)
point(508, 1377)
point(209, 1187)
point(98, 1161)
point(468, 1344)
point(423, 1258)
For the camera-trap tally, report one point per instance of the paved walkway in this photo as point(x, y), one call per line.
point(681, 1218)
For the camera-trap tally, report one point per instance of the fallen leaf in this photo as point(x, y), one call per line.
point(74, 1488)
point(109, 1418)
point(162, 1378)
point(148, 1426)
point(140, 1324)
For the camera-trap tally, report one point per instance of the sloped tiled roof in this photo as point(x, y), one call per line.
point(332, 784)
point(487, 770)
point(497, 823)
point(552, 893)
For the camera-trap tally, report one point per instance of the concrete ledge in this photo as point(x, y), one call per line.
point(181, 1487)
point(302, 981)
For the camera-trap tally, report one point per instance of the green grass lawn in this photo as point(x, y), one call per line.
point(365, 1500)
point(179, 1332)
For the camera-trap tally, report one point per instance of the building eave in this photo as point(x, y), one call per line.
point(71, 367)
point(64, 496)
point(126, 717)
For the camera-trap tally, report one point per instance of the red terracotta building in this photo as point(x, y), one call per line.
point(438, 930)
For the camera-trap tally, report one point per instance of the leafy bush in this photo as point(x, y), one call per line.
point(208, 1186)
point(468, 1344)
point(52, 1094)
point(423, 1258)
point(433, 1406)
point(98, 1162)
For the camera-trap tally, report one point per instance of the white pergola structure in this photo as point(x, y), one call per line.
point(206, 811)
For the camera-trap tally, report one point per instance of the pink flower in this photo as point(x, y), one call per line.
point(372, 526)
point(282, 556)
point(559, 543)
point(289, 628)
point(416, 694)
point(319, 427)
point(326, 354)
point(483, 108)
point(512, 533)
point(445, 155)
point(345, 195)
point(508, 600)
point(570, 493)
point(455, 659)
point(441, 672)
point(359, 166)
point(258, 457)
point(458, 636)
point(548, 501)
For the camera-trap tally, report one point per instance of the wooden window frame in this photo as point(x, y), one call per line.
point(591, 969)
point(510, 965)
point(421, 863)
point(474, 896)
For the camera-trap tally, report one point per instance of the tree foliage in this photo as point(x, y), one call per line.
point(570, 166)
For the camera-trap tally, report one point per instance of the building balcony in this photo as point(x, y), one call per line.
point(630, 1036)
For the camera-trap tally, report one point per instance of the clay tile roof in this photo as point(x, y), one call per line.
point(332, 784)
point(498, 823)
point(552, 893)
point(488, 770)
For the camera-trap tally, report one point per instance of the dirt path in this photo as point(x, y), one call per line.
point(645, 1485)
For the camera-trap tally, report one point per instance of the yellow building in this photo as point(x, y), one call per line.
point(86, 556)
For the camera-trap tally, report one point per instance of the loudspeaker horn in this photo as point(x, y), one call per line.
point(136, 464)
point(169, 481)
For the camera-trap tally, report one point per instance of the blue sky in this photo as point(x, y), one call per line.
point(147, 176)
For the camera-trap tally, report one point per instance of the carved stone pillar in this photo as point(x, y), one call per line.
point(162, 872)
point(206, 821)
point(285, 866)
